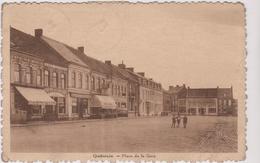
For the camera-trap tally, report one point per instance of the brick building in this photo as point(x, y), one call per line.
point(38, 79)
point(204, 101)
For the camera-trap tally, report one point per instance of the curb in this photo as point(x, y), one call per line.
point(42, 123)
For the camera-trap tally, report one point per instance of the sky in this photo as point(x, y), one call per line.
point(201, 45)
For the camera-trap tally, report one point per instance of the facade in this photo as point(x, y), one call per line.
point(132, 88)
point(167, 102)
point(151, 96)
point(105, 79)
point(203, 101)
point(38, 81)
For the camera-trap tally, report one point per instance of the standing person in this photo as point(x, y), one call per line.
point(178, 121)
point(173, 121)
point(185, 121)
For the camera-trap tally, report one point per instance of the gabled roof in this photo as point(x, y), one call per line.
point(96, 65)
point(26, 43)
point(63, 50)
point(92, 63)
point(202, 92)
point(126, 74)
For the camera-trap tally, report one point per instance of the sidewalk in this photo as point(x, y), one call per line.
point(39, 123)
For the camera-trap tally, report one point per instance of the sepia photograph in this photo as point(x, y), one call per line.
point(124, 81)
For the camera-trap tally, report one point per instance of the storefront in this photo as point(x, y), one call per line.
point(103, 106)
point(60, 107)
point(37, 104)
point(79, 105)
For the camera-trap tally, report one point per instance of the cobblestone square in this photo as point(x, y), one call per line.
point(154, 134)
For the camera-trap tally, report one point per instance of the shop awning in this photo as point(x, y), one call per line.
point(35, 96)
point(105, 102)
point(55, 94)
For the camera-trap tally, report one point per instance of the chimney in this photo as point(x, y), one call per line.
point(108, 62)
point(130, 69)
point(121, 65)
point(81, 49)
point(38, 33)
point(141, 73)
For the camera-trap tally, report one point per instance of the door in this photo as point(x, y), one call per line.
point(83, 106)
point(202, 111)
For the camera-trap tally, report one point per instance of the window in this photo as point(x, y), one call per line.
point(112, 89)
point(87, 81)
point(39, 77)
point(74, 105)
point(46, 78)
point(220, 102)
point(99, 83)
point(28, 75)
point(17, 73)
point(36, 109)
point(92, 83)
point(103, 82)
point(212, 110)
point(73, 80)
point(225, 102)
point(123, 105)
point(118, 91)
point(61, 104)
point(62, 78)
point(192, 111)
point(80, 80)
point(229, 102)
point(115, 92)
point(54, 79)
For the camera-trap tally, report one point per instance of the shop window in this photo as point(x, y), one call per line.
point(46, 78)
point(54, 80)
point(74, 105)
point(36, 109)
point(62, 78)
point(212, 110)
point(61, 104)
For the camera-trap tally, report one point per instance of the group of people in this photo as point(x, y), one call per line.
point(177, 119)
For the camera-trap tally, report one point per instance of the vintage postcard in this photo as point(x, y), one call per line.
point(124, 81)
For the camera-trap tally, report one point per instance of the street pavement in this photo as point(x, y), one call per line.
point(203, 134)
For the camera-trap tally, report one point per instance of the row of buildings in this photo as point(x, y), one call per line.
point(200, 101)
point(52, 80)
